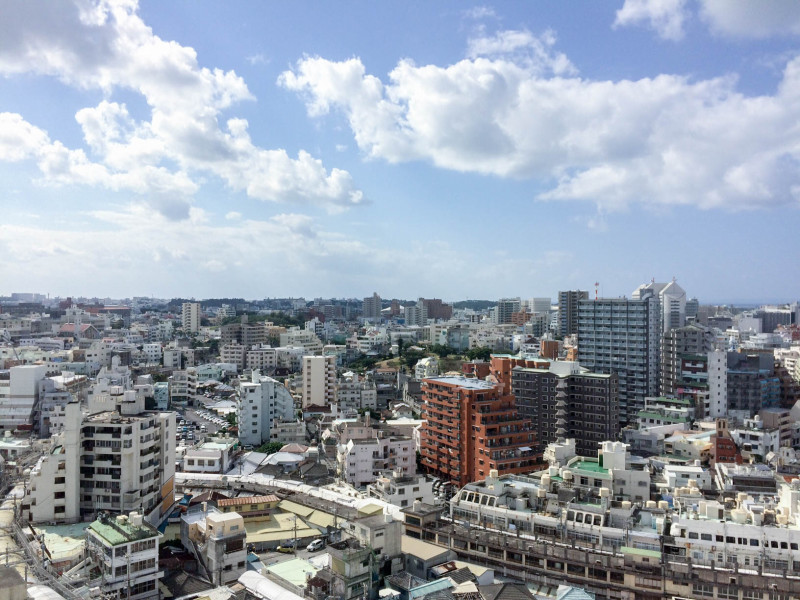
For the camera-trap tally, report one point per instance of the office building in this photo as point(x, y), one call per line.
point(620, 335)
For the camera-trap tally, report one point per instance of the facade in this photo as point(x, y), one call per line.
point(618, 335)
point(319, 380)
point(402, 490)
point(125, 552)
point(426, 367)
point(504, 309)
point(18, 396)
point(568, 303)
point(678, 345)
point(190, 317)
point(354, 394)
point(752, 383)
point(671, 303)
point(563, 400)
point(471, 428)
point(259, 404)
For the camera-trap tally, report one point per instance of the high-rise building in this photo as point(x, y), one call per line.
point(190, 317)
point(505, 308)
point(319, 380)
point(618, 335)
point(568, 311)
point(752, 383)
point(371, 308)
point(679, 347)
point(436, 309)
point(671, 303)
point(472, 429)
point(564, 401)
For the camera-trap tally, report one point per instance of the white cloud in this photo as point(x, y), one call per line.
point(480, 12)
point(536, 53)
point(233, 216)
point(104, 44)
point(752, 18)
point(665, 17)
point(661, 141)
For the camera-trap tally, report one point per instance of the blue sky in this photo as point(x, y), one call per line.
point(443, 149)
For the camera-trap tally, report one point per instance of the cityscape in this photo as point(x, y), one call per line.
point(399, 300)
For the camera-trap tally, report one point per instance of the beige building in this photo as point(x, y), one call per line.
point(319, 381)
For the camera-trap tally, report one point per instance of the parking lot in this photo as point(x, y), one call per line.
point(272, 557)
point(193, 421)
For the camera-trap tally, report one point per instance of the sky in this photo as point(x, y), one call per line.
point(416, 149)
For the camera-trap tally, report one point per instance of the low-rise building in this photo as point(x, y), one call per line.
point(402, 490)
point(218, 542)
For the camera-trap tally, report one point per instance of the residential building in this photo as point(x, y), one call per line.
point(319, 381)
point(19, 395)
point(426, 367)
point(671, 303)
point(504, 309)
point(190, 317)
point(565, 401)
point(217, 540)
point(304, 338)
point(244, 333)
point(354, 394)
point(471, 428)
point(620, 335)
point(752, 383)
point(436, 309)
point(402, 490)
point(235, 354)
point(213, 455)
point(568, 303)
point(260, 403)
point(124, 550)
point(679, 347)
point(361, 461)
point(371, 308)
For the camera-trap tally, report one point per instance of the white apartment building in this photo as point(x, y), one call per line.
point(214, 455)
point(152, 352)
point(259, 404)
point(288, 432)
point(353, 394)
point(402, 490)
point(261, 358)
point(426, 367)
point(302, 337)
point(360, 462)
point(218, 540)
point(19, 394)
point(190, 317)
point(117, 461)
point(125, 549)
point(319, 381)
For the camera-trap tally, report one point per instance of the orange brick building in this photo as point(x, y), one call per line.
point(470, 428)
point(501, 365)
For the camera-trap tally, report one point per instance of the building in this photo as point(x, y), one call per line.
point(679, 346)
point(217, 540)
point(361, 461)
point(568, 303)
point(319, 381)
point(504, 309)
point(752, 383)
point(402, 490)
point(619, 335)
point(436, 309)
point(244, 333)
point(259, 403)
point(117, 461)
point(190, 317)
point(671, 303)
point(564, 401)
point(371, 308)
point(472, 428)
point(426, 367)
point(124, 550)
point(354, 394)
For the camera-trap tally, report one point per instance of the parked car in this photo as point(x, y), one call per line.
point(316, 545)
point(284, 549)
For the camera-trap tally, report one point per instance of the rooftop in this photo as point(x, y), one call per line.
point(116, 532)
point(464, 382)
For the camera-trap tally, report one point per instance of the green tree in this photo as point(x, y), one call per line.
point(270, 448)
point(479, 353)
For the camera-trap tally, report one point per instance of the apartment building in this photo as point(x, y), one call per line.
point(319, 381)
point(190, 317)
point(19, 394)
point(563, 400)
point(620, 335)
point(361, 461)
point(470, 428)
point(371, 307)
point(217, 540)
point(568, 302)
point(259, 403)
point(124, 549)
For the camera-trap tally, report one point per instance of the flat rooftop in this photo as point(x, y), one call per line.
point(464, 382)
point(116, 533)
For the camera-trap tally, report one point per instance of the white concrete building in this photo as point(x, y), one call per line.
point(19, 394)
point(262, 358)
point(354, 394)
point(125, 549)
point(214, 455)
point(319, 381)
point(360, 462)
point(426, 367)
point(259, 404)
point(302, 337)
point(190, 317)
point(152, 352)
point(218, 540)
point(402, 490)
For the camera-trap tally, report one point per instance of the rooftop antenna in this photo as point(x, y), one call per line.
point(596, 285)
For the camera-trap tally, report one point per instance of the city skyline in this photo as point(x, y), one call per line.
point(267, 151)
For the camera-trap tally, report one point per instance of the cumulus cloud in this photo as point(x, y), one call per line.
point(535, 52)
point(661, 141)
point(751, 18)
point(665, 17)
point(105, 45)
